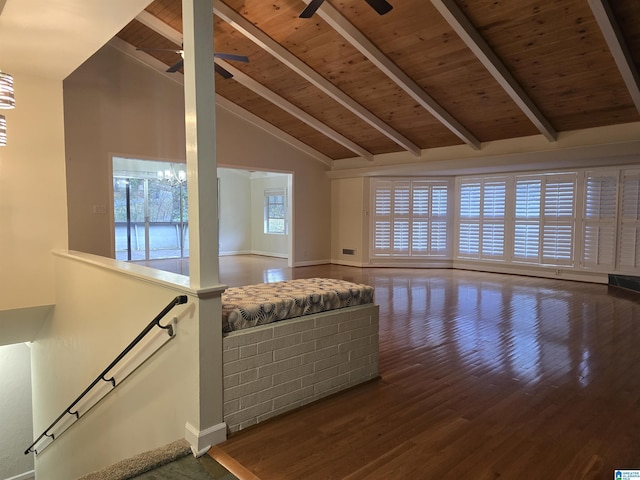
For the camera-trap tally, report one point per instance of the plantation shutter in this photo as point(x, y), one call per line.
point(629, 240)
point(527, 221)
point(558, 220)
point(438, 237)
point(420, 211)
point(401, 217)
point(599, 223)
point(493, 211)
point(382, 217)
point(469, 220)
point(409, 218)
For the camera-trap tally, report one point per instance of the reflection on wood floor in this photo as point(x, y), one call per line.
point(483, 376)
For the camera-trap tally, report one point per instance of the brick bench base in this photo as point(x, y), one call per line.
point(274, 368)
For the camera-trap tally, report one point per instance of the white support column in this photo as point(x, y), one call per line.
point(199, 93)
point(205, 426)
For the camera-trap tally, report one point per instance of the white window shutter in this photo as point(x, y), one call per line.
point(493, 240)
point(420, 202)
point(558, 220)
point(600, 220)
point(629, 238)
point(383, 191)
point(410, 218)
point(493, 219)
point(401, 217)
point(438, 230)
point(469, 220)
point(526, 246)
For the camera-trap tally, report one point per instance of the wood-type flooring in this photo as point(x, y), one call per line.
point(483, 376)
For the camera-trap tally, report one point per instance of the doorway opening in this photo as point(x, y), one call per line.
point(150, 210)
point(150, 206)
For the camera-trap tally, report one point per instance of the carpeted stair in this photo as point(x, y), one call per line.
point(173, 461)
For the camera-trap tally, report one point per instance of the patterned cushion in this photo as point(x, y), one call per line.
point(245, 307)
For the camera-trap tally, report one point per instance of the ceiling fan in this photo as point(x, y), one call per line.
point(380, 6)
point(178, 65)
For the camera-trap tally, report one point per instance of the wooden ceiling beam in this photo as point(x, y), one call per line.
point(155, 64)
point(265, 42)
point(452, 13)
point(170, 33)
point(618, 47)
point(256, 87)
point(350, 33)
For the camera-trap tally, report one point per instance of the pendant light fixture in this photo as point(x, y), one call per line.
point(6, 91)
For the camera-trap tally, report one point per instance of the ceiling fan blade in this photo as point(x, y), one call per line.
point(380, 6)
point(231, 56)
point(159, 50)
point(311, 8)
point(222, 72)
point(177, 66)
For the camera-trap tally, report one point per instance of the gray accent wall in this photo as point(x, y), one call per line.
point(114, 105)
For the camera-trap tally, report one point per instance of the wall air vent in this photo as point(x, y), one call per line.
point(348, 251)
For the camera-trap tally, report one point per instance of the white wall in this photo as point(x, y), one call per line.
point(32, 193)
point(34, 221)
point(99, 310)
point(235, 211)
point(349, 218)
point(113, 104)
point(264, 243)
point(15, 410)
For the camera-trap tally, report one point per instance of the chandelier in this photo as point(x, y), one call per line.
point(172, 176)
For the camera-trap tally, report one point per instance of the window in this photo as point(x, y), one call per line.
point(481, 219)
point(526, 244)
point(469, 235)
point(150, 209)
point(544, 219)
point(410, 218)
point(629, 240)
point(600, 220)
point(275, 211)
point(558, 220)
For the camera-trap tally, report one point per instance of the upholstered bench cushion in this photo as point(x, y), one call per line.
point(251, 305)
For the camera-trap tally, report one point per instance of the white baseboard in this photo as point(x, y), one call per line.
point(558, 273)
point(202, 441)
point(348, 263)
point(311, 262)
point(235, 252)
point(24, 476)
point(269, 254)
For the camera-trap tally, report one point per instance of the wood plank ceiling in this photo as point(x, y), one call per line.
point(349, 82)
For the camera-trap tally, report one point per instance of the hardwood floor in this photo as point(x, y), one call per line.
point(483, 376)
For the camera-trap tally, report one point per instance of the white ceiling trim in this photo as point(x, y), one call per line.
point(146, 59)
point(345, 28)
point(157, 25)
point(472, 38)
point(618, 47)
point(282, 54)
point(160, 67)
point(256, 87)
